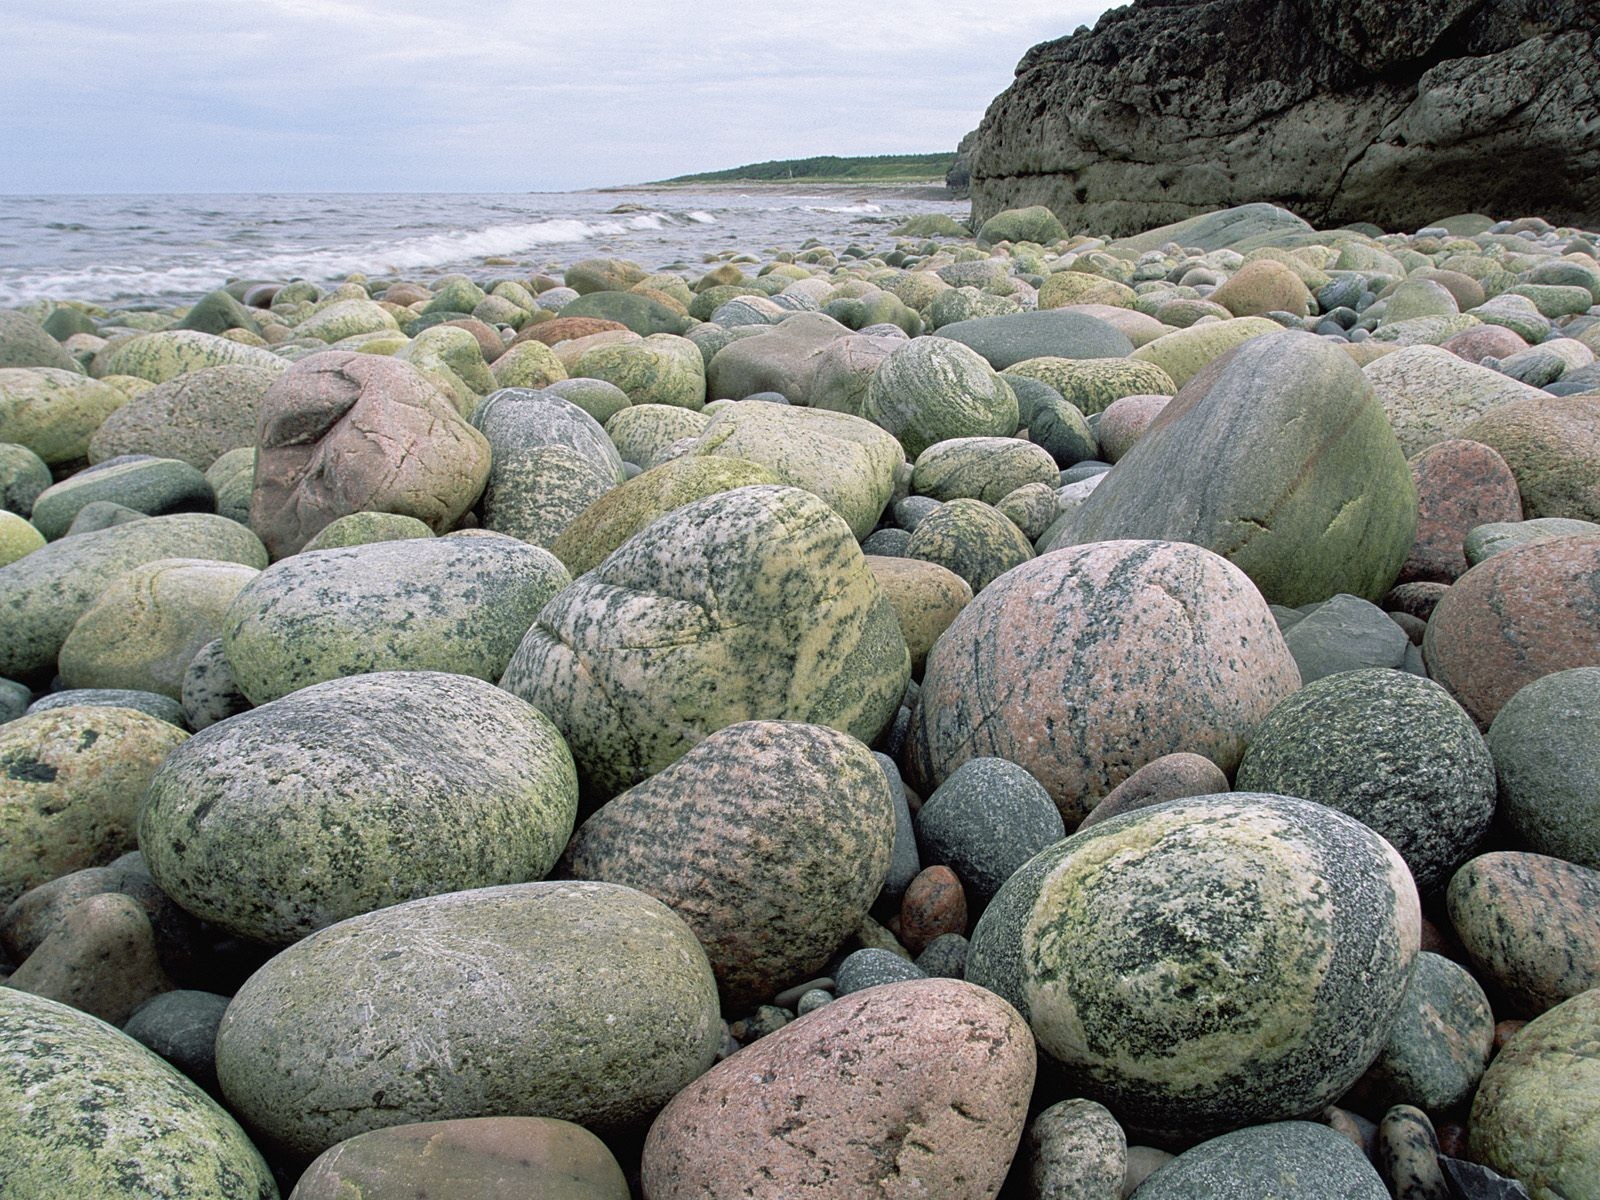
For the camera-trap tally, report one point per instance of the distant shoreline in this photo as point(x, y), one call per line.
point(852, 189)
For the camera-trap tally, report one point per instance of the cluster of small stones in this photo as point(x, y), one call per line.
point(1095, 717)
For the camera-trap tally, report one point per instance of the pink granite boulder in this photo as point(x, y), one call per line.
point(910, 1089)
point(1460, 485)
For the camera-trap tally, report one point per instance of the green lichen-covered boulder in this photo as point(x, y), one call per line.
point(932, 389)
point(218, 312)
point(1539, 1101)
point(1430, 395)
point(1546, 747)
point(987, 469)
point(144, 630)
point(54, 412)
point(26, 343)
point(346, 318)
point(233, 480)
point(161, 356)
point(146, 485)
point(1552, 445)
point(601, 400)
point(660, 369)
point(770, 839)
point(603, 274)
point(1064, 288)
point(1390, 749)
point(926, 598)
point(197, 417)
point(529, 364)
point(452, 358)
point(17, 537)
point(644, 433)
point(1207, 963)
point(71, 780)
point(1183, 354)
point(43, 594)
point(353, 795)
point(1083, 665)
point(459, 603)
point(23, 475)
point(1278, 458)
point(88, 1111)
point(973, 539)
point(753, 604)
point(639, 313)
point(846, 461)
point(626, 509)
point(1033, 224)
point(363, 528)
point(1091, 385)
point(586, 1002)
point(1282, 1160)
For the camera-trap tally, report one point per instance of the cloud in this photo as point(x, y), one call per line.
point(224, 95)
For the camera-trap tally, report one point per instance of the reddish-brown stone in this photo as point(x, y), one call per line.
point(406, 294)
point(1170, 777)
point(1516, 617)
point(1460, 485)
point(565, 329)
point(342, 432)
point(912, 1089)
point(934, 904)
point(100, 958)
point(487, 336)
point(1415, 599)
point(1124, 421)
point(1505, 1030)
point(1484, 341)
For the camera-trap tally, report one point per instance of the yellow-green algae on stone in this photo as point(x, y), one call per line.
point(355, 794)
point(587, 1002)
point(53, 412)
point(1093, 385)
point(1183, 354)
point(86, 1113)
point(753, 604)
point(457, 603)
point(161, 356)
point(1210, 962)
point(1536, 1116)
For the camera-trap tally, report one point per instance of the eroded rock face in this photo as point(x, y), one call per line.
point(1365, 110)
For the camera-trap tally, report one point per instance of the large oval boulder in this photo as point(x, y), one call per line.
point(169, 353)
point(343, 432)
point(748, 605)
point(457, 603)
point(1085, 664)
point(88, 1111)
point(586, 1002)
point(932, 389)
point(1552, 444)
point(54, 412)
point(1278, 458)
point(355, 794)
point(1546, 747)
point(197, 417)
point(770, 838)
point(924, 1083)
point(1210, 962)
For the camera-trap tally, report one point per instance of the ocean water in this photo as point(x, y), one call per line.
point(144, 250)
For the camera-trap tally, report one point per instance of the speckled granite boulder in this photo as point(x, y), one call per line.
point(932, 389)
point(1093, 385)
point(53, 412)
point(1429, 395)
point(1075, 1151)
point(457, 603)
point(874, 966)
point(1546, 748)
point(1084, 644)
point(626, 509)
point(924, 1082)
point(987, 469)
point(1392, 750)
point(1285, 1160)
point(1408, 1155)
point(665, 641)
point(660, 369)
point(973, 540)
point(646, 434)
point(90, 1112)
point(847, 461)
point(985, 821)
point(486, 1158)
point(770, 885)
point(1278, 458)
point(342, 432)
point(1209, 962)
point(197, 417)
point(1552, 445)
point(157, 705)
point(1460, 485)
point(364, 528)
point(165, 355)
point(586, 1002)
point(71, 780)
point(1540, 1099)
point(926, 598)
point(355, 794)
point(1527, 922)
point(209, 692)
point(24, 342)
point(1438, 1045)
point(1514, 618)
point(146, 485)
point(142, 633)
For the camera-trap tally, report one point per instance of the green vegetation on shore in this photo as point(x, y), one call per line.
point(909, 168)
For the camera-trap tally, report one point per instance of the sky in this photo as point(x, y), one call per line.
point(492, 95)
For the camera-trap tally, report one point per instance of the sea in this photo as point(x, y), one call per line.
point(138, 251)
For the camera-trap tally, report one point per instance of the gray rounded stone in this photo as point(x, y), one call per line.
point(1075, 1151)
point(1344, 633)
point(181, 1027)
point(355, 794)
point(153, 703)
point(23, 475)
point(209, 691)
point(587, 1002)
point(873, 967)
point(147, 485)
point(1016, 337)
point(985, 821)
point(1392, 750)
point(1287, 1160)
point(1546, 748)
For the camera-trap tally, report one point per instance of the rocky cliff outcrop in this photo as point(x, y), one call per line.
point(1342, 110)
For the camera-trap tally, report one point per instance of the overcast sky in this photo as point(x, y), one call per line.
point(493, 95)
